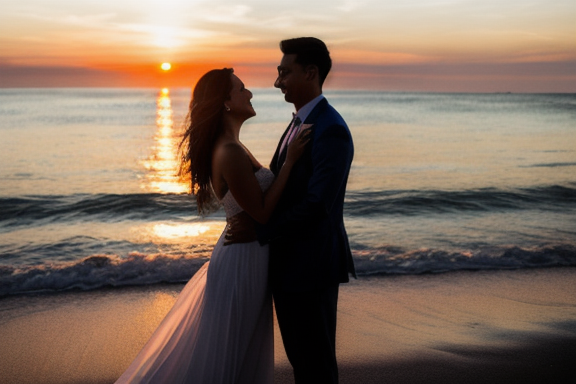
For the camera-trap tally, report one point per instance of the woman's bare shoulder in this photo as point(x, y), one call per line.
point(229, 152)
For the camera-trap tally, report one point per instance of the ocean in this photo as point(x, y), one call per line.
point(440, 182)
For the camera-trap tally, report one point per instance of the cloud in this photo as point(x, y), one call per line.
point(426, 35)
point(56, 76)
point(84, 20)
point(458, 77)
point(235, 14)
point(349, 6)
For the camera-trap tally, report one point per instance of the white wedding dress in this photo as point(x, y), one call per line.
point(220, 329)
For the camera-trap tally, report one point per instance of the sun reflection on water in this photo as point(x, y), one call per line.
point(204, 233)
point(181, 230)
point(176, 238)
point(163, 164)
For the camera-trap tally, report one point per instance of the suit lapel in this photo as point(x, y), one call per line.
point(274, 164)
point(278, 157)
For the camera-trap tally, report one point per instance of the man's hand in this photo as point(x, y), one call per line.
point(240, 228)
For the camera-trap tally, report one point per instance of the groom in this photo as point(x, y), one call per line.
point(309, 251)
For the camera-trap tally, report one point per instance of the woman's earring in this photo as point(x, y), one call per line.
point(227, 108)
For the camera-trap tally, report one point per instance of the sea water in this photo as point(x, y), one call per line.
point(89, 195)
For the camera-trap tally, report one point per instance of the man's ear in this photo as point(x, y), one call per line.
point(311, 72)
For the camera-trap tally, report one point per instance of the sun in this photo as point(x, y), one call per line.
point(166, 66)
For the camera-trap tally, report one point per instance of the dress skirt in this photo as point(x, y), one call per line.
point(220, 330)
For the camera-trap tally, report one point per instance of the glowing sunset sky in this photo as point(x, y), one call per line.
point(408, 45)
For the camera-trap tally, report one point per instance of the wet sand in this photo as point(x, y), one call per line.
point(465, 327)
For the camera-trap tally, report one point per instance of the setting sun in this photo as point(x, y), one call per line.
point(166, 66)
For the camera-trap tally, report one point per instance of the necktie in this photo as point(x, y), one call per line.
point(291, 133)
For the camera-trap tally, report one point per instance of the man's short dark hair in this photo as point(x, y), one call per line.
point(309, 51)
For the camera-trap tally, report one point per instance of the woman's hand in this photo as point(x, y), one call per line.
point(296, 147)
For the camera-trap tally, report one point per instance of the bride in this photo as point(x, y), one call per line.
point(220, 329)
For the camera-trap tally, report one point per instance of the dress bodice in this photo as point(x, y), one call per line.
point(265, 178)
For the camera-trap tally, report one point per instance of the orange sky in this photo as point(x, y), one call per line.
point(417, 45)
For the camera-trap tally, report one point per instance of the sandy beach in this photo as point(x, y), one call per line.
point(454, 328)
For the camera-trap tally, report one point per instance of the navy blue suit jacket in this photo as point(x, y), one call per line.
point(309, 246)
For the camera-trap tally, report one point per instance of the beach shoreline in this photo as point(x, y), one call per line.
point(515, 326)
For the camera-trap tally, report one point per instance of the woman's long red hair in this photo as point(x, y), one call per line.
point(203, 127)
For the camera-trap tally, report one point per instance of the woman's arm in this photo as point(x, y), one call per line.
point(331, 159)
point(237, 171)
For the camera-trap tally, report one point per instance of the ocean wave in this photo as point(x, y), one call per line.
point(106, 207)
point(136, 268)
point(550, 165)
point(73, 248)
point(27, 210)
point(548, 198)
point(390, 260)
point(98, 271)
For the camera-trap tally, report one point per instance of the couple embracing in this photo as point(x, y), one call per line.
point(284, 238)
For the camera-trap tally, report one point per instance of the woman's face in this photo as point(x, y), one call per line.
point(239, 102)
